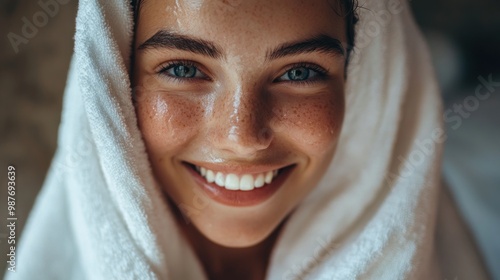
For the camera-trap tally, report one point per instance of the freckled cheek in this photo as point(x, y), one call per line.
point(167, 123)
point(314, 125)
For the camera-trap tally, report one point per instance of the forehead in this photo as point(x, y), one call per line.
point(241, 22)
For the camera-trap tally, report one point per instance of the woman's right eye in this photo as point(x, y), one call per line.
point(182, 70)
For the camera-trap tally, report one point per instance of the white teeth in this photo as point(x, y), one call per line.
point(232, 182)
point(219, 179)
point(210, 176)
point(259, 181)
point(245, 182)
point(269, 177)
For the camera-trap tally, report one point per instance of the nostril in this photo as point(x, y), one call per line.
point(265, 135)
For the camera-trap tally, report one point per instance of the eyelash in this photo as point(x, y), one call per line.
point(321, 72)
point(167, 66)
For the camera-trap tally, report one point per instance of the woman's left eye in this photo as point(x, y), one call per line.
point(301, 74)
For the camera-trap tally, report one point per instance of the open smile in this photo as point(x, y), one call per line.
point(238, 186)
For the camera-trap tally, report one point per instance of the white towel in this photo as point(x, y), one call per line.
point(101, 214)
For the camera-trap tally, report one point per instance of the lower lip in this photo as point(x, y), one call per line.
point(240, 198)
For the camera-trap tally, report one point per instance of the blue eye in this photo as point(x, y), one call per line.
point(303, 73)
point(182, 70)
point(298, 74)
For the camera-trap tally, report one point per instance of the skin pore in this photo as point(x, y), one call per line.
point(235, 85)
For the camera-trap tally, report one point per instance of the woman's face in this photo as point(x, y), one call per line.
point(240, 104)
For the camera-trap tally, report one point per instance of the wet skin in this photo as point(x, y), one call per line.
point(238, 84)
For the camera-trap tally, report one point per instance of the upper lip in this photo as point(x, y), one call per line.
point(238, 168)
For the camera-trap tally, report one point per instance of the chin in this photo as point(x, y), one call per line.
point(238, 232)
point(236, 241)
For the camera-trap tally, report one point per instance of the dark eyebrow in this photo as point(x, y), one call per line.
point(321, 43)
point(170, 40)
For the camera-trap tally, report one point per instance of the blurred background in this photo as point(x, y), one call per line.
point(464, 38)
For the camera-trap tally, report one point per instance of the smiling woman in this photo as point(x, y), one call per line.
point(259, 112)
point(237, 140)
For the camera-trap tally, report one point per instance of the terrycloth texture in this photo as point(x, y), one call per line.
point(101, 215)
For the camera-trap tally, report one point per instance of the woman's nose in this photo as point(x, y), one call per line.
point(240, 123)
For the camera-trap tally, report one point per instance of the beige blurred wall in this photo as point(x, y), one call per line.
point(31, 88)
